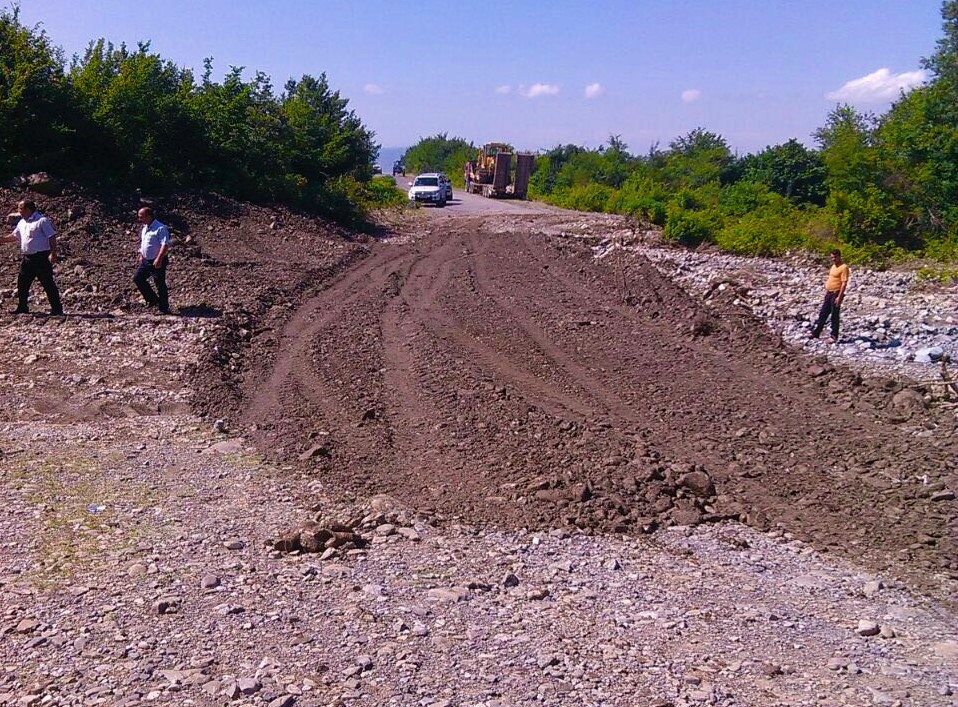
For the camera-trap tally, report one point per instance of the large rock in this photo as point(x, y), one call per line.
point(40, 183)
point(697, 482)
point(908, 399)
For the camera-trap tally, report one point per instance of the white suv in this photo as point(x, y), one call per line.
point(430, 188)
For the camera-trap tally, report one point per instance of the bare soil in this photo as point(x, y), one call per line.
point(503, 376)
point(485, 367)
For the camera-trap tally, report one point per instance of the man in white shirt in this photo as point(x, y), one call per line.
point(152, 260)
point(38, 248)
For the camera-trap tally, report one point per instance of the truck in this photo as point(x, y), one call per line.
point(495, 174)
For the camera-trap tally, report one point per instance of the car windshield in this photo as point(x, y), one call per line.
point(427, 182)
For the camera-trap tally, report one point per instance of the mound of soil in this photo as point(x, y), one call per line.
point(505, 377)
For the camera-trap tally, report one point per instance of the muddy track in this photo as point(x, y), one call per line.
point(510, 379)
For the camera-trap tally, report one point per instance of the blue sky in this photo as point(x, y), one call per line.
point(537, 74)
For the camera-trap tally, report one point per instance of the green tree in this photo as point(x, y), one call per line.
point(697, 158)
point(944, 62)
point(440, 153)
point(139, 105)
point(789, 169)
point(246, 151)
point(36, 115)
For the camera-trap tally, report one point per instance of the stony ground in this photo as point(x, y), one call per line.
point(139, 544)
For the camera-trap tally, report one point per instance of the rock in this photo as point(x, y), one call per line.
point(27, 626)
point(872, 588)
point(166, 605)
point(317, 450)
point(510, 580)
point(544, 661)
point(698, 482)
point(887, 632)
point(313, 537)
point(249, 686)
point(220, 426)
point(12, 220)
point(946, 495)
point(137, 570)
point(385, 530)
point(410, 534)
point(234, 544)
point(283, 701)
point(867, 628)
point(210, 581)
point(932, 354)
point(908, 399)
point(41, 183)
point(836, 663)
point(448, 595)
point(227, 446)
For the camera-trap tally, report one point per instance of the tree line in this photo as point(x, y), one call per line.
point(130, 118)
point(881, 187)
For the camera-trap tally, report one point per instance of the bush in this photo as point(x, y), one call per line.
point(382, 192)
point(771, 229)
point(689, 227)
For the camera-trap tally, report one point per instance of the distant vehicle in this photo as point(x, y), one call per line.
point(428, 188)
point(448, 185)
point(495, 174)
point(399, 168)
point(377, 169)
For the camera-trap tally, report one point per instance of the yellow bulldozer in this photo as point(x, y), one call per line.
point(495, 174)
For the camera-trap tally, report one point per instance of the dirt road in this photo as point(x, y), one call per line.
point(486, 367)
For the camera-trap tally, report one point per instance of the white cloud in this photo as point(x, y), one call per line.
point(504, 89)
point(594, 90)
point(373, 89)
point(690, 94)
point(877, 87)
point(539, 89)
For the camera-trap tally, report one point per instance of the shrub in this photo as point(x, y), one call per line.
point(689, 227)
point(771, 229)
point(382, 192)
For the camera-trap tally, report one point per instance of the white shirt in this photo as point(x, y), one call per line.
point(35, 233)
point(152, 238)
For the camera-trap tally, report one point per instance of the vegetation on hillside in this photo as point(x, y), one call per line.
point(882, 187)
point(129, 117)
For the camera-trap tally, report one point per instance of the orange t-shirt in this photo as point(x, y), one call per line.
point(837, 276)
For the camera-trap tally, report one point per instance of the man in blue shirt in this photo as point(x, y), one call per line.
point(38, 247)
point(152, 260)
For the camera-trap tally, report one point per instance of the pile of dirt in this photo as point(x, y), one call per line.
point(505, 377)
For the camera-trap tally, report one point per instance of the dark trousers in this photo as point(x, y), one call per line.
point(831, 309)
point(37, 266)
point(160, 298)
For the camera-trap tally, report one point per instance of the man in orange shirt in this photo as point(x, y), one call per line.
point(835, 285)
